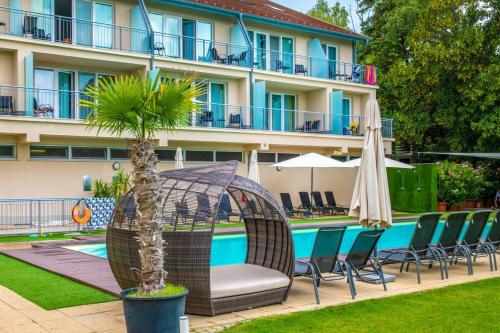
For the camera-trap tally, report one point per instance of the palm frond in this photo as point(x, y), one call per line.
point(142, 108)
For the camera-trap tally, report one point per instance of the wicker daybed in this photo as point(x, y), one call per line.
point(190, 199)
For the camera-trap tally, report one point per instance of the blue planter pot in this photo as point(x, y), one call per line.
point(153, 315)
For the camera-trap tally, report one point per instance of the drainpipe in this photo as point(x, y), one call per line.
point(244, 31)
point(150, 34)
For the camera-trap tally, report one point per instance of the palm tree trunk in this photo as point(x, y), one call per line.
point(148, 200)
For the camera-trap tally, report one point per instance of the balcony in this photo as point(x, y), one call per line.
point(62, 104)
point(71, 31)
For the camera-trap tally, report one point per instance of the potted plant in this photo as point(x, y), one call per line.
point(141, 108)
point(452, 188)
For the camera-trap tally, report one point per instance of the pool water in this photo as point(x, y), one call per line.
point(231, 249)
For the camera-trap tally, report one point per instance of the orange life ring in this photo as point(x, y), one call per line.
point(87, 214)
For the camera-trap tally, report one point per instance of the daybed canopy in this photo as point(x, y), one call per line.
point(190, 200)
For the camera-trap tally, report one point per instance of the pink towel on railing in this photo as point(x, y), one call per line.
point(371, 75)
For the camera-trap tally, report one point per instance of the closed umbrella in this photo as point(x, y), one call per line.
point(178, 159)
point(311, 160)
point(388, 164)
point(370, 201)
point(253, 169)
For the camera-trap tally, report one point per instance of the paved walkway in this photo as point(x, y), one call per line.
point(19, 315)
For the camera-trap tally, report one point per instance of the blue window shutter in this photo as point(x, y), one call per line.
point(28, 82)
point(139, 42)
point(239, 44)
point(16, 18)
point(259, 105)
point(318, 61)
point(336, 110)
point(153, 73)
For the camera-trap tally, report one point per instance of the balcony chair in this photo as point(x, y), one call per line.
point(356, 74)
point(300, 69)
point(6, 105)
point(315, 126)
point(42, 110)
point(29, 26)
point(216, 57)
point(206, 118)
point(159, 49)
point(304, 128)
point(241, 58)
point(234, 121)
point(280, 66)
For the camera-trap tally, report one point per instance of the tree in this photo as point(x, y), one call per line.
point(438, 70)
point(142, 108)
point(335, 14)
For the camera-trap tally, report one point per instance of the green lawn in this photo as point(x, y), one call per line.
point(48, 290)
point(54, 236)
point(471, 307)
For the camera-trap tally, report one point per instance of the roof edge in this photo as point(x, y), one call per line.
point(224, 11)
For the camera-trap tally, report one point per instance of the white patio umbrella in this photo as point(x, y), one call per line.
point(178, 159)
point(253, 169)
point(370, 201)
point(388, 164)
point(311, 160)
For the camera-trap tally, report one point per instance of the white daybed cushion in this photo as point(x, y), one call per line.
point(241, 279)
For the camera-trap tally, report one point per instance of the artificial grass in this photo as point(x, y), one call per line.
point(52, 236)
point(313, 221)
point(471, 307)
point(48, 290)
point(169, 290)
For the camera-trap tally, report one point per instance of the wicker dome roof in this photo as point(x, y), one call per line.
point(191, 196)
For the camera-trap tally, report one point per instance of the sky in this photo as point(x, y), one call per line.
point(304, 5)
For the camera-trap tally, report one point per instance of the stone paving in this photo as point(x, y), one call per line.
point(19, 315)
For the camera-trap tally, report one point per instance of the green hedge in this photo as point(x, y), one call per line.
point(413, 190)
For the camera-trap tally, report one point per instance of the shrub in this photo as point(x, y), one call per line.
point(115, 189)
point(451, 182)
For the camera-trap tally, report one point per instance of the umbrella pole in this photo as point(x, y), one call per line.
point(312, 184)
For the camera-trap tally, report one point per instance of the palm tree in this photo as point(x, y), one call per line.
point(142, 108)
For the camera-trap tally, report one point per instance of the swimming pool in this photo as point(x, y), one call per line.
point(231, 249)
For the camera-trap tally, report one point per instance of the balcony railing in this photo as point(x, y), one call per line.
point(291, 63)
point(72, 31)
point(63, 104)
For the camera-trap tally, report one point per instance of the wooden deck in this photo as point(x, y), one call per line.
point(77, 266)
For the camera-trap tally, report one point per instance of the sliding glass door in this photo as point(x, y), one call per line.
point(287, 56)
point(83, 11)
point(94, 23)
point(188, 39)
point(103, 25)
point(331, 54)
point(84, 80)
point(66, 96)
point(42, 14)
point(44, 94)
point(218, 101)
point(283, 112)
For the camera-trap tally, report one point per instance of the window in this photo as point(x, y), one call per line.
point(119, 153)
point(165, 154)
point(222, 156)
point(7, 151)
point(88, 153)
point(199, 156)
point(266, 157)
point(284, 156)
point(56, 152)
